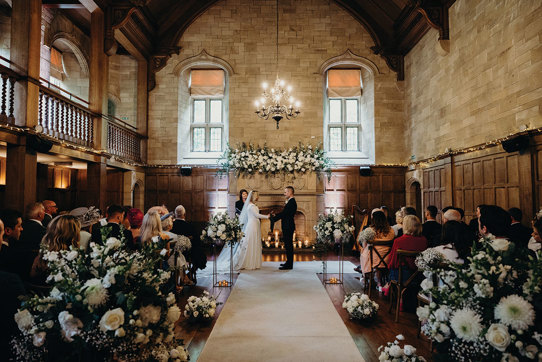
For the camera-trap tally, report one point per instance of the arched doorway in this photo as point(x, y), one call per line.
point(415, 198)
point(137, 197)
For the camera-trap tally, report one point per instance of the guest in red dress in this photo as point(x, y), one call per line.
point(412, 240)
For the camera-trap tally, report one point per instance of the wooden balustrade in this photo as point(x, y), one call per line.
point(7, 94)
point(64, 119)
point(122, 141)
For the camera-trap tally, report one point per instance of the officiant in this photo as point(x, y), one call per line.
point(243, 194)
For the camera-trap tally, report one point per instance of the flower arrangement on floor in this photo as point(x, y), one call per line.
point(250, 160)
point(392, 352)
point(222, 229)
point(360, 307)
point(106, 303)
point(331, 228)
point(485, 310)
point(201, 309)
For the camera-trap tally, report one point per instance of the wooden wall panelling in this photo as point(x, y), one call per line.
point(115, 186)
point(437, 185)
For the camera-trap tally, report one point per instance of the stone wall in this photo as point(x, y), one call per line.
point(242, 33)
point(5, 35)
point(123, 87)
point(487, 87)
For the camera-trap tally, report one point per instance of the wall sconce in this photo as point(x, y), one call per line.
point(62, 178)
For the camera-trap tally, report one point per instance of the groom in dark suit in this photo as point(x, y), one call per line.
point(288, 226)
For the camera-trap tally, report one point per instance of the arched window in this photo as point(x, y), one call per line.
point(349, 109)
point(203, 109)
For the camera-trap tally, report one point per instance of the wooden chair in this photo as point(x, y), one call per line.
point(381, 259)
point(398, 285)
point(360, 219)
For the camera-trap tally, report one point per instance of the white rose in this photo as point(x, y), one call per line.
point(409, 350)
point(196, 313)
point(72, 255)
point(113, 243)
point(500, 244)
point(49, 324)
point(112, 320)
point(497, 335)
point(173, 314)
point(396, 351)
point(39, 339)
point(120, 332)
point(426, 284)
point(24, 320)
point(170, 298)
point(211, 312)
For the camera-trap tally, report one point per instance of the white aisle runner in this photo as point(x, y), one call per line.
point(274, 315)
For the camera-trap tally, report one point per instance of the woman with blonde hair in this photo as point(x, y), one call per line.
point(150, 227)
point(62, 233)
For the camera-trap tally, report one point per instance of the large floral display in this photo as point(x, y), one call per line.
point(333, 227)
point(247, 159)
point(105, 304)
point(487, 309)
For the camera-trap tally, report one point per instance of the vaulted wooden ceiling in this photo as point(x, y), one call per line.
point(154, 27)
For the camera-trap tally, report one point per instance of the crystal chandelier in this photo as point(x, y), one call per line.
point(277, 102)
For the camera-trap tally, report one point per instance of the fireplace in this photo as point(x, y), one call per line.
point(309, 195)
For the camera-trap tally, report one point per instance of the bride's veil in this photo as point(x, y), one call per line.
point(223, 260)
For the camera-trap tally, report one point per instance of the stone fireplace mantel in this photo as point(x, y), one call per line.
point(309, 195)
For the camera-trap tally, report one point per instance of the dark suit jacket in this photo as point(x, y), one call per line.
point(520, 234)
point(31, 235)
point(197, 254)
point(287, 216)
point(115, 233)
point(17, 260)
point(432, 231)
point(239, 206)
point(46, 220)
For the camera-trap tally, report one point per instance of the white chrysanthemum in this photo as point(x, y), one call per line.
point(516, 312)
point(466, 324)
point(95, 293)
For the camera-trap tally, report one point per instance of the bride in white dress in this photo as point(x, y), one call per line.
point(249, 253)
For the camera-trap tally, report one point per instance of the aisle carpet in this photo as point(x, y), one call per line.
point(274, 315)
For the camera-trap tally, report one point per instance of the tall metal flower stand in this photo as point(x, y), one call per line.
point(223, 282)
point(327, 278)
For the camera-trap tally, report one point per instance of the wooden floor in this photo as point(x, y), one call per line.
point(367, 337)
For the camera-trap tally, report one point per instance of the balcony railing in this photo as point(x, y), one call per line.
point(123, 140)
point(7, 92)
point(65, 119)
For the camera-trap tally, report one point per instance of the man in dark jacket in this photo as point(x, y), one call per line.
point(431, 228)
point(196, 254)
point(288, 226)
point(518, 233)
point(114, 219)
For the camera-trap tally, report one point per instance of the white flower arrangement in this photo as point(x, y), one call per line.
point(359, 306)
point(108, 302)
point(483, 310)
point(366, 235)
point(250, 160)
point(334, 226)
point(222, 229)
point(392, 352)
point(428, 259)
point(201, 308)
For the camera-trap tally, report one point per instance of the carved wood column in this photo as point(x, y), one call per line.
point(98, 78)
point(25, 53)
point(97, 184)
point(21, 174)
point(142, 105)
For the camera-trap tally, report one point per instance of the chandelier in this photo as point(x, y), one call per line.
point(277, 102)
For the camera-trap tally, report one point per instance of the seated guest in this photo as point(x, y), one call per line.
point(409, 210)
point(12, 288)
point(457, 240)
point(535, 243)
point(383, 232)
point(12, 258)
point(386, 212)
point(495, 221)
point(451, 214)
point(517, 232)
point(51, 210)
point(243, 194)
point(431, 228)
point(398, 227)
point(412, 240)
point(135, 217)
point(114, 220)
point(87, 217)
point(62, 233)
point(161, 210)
point(196, 254)
point(473, 224)
point(33, 229)
point(150, 227)
point(461, 213)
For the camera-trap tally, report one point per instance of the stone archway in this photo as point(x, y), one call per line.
point(414, 196)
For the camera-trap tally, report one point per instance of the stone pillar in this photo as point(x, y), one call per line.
point(25, 54)
point(21, 175)
point(97, 184)
point(98, 78)
point(142, 105)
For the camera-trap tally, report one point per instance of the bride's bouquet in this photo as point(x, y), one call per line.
point(107, 303)
point(222, 229)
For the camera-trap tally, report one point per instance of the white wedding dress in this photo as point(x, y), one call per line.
point(249, 253)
